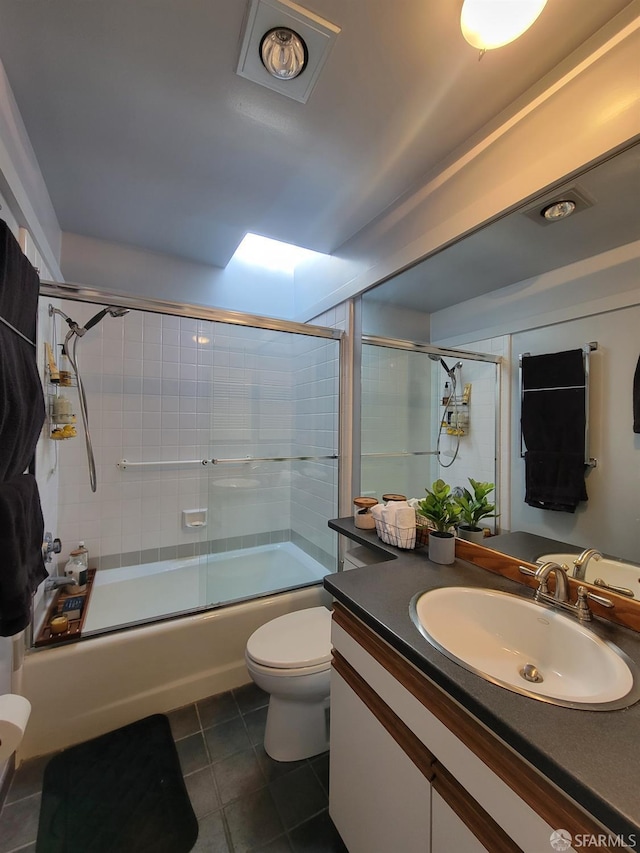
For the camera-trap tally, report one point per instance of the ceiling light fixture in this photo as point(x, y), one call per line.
point(280, 41)
point(487, 24)
point(283, 53)
point(558, 210)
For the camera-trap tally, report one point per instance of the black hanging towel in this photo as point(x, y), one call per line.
point(553, 421)
point(21, 417)
point(636, 398)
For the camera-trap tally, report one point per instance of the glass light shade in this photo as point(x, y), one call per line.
point(559, 210)
point(283, 53)
point(487, 24)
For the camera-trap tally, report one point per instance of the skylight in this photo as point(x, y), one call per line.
point(271, 254)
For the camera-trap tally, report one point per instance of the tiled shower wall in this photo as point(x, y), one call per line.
point(163, 389)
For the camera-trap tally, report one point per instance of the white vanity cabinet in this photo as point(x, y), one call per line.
point(448, 831)
point(380, 800)
point(411, 770)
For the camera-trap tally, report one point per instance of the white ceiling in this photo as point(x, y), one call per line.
point(521, 245)
point(146, 135)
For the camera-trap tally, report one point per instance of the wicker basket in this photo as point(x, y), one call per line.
point(423, 526)
point(400, 537)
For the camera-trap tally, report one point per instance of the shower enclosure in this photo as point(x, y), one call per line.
point(216, 453)
point(426, 412)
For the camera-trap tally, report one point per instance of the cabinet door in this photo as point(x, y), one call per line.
point(448, 832)
point(378, 799)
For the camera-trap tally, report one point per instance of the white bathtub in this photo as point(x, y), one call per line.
point(137, 593)
point(90, 687)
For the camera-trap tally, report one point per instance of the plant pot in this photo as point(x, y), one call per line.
point(471, 534)
point(442, 547)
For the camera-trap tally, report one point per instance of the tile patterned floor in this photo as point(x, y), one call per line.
point(244, 800)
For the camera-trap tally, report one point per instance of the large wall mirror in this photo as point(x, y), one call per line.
point(547, 286)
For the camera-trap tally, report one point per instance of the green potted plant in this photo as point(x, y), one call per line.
point(443, 512)
point(473, 508)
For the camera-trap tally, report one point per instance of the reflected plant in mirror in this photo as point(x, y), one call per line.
point(473, 508)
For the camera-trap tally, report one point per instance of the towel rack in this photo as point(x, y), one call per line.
point(17, 331)
point(587, 349)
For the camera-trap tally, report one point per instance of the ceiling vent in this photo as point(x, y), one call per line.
point(317, 35)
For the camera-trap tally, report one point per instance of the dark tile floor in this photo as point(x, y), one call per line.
point(244, 800)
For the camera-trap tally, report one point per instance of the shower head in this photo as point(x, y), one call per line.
point(449, 370)
point(112, 310)
point(74, 328)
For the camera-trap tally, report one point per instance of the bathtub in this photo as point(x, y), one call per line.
point(102, 682)
point(152, 590)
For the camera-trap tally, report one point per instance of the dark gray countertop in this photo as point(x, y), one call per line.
point(591, 755)
point(529, 546)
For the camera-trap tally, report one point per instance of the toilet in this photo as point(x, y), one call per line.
point(290, 658)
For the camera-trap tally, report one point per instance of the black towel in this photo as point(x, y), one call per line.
point(636, 398)
point(555, 481)
point(22, 408)
point(21, 564)
point(553, 370)
point(553, 421)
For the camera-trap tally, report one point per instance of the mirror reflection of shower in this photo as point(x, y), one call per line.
point(449, 399)
point(70, 349)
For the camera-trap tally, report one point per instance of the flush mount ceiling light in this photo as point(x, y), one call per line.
point(558, 210)
point(563, 202)
point(280, 41)
point(487, 24)
point(283, 53)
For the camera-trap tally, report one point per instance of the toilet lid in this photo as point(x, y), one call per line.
point(298, 639)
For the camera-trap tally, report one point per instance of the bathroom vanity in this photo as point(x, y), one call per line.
point(428, 756)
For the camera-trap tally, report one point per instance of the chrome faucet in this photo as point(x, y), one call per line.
point(562, 585)
point(560, 598)
point(55, 582)
point(580, 563)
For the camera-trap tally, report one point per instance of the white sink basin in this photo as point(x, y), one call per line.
point(615, 572)
point(526, 647)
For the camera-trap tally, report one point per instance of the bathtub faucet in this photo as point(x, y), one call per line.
point(55, 582)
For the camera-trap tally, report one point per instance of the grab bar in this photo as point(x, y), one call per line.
point(123, 464)
point(401, 453)
point(272, 459)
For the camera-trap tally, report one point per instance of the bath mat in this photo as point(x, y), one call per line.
point(122, 792)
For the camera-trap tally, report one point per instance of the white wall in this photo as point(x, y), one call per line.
point(126, 269)
point(604, 282)
point(394, 321)
point(22, 184)
point(597, 299)
point(610, 519)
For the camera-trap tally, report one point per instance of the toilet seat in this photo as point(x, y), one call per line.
point(296, 641)
point(289, 672)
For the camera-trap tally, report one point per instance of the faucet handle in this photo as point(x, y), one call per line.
point(50, 546)
point(583, 611)
point(525, 570)
point(599, 599)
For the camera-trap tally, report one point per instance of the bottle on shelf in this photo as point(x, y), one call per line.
point(76, 568)
point(65, 368)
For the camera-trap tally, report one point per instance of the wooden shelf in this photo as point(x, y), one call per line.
point(46, 637)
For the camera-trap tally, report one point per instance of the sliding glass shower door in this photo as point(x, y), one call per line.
point(426, 413)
